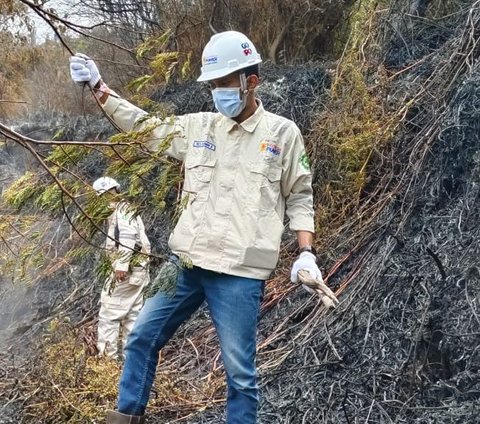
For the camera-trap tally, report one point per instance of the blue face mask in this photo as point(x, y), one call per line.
point(228, 101)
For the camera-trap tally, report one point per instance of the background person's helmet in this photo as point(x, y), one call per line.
point(103, 184)
point(225, 53)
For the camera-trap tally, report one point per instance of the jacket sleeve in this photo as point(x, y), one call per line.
point(131, 118)
point(297, 184)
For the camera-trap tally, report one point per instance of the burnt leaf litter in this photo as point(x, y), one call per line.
point(404, 344)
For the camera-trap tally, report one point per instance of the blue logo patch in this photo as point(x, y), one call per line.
point(205, 144)
point(210, 60)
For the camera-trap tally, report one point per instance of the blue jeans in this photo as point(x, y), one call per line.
point(234, 304)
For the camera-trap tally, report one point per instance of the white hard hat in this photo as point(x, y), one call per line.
point(225, 53)
point(103, 184)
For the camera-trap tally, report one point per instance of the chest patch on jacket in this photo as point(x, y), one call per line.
point(270, 150)
point(204, 144)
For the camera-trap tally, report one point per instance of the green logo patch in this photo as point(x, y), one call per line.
point(305, 162)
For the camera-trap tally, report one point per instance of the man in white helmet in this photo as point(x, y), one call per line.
point(127, 246)
point(244, 168)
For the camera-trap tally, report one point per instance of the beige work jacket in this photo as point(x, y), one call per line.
point(239, 181)
point(131, 232)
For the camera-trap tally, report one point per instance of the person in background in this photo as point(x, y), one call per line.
point(121, 298)
point(244, 168)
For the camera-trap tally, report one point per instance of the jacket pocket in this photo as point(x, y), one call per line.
point(198, 175)
point(264, 185)
point(199, 172)
point(138, 277)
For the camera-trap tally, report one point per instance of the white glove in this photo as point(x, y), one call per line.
point(84, 70)
point(308, 262)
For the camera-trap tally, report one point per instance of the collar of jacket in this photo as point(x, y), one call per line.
point(251, 122)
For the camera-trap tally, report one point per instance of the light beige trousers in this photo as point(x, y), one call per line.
point(118, 312)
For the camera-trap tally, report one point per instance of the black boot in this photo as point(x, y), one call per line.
point(114, 417)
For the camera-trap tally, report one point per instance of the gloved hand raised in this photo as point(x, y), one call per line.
point(84, 70)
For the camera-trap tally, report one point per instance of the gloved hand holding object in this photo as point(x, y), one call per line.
point(308, 262)
point(306, 270)
point(319, 287)
point(84, 70)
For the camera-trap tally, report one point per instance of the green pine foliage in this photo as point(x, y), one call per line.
point(62, 190)
point(22, 190)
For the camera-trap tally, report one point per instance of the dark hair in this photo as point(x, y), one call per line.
point(251, 70)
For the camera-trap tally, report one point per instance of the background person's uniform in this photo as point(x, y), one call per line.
point(121, 301)
point(240, 179)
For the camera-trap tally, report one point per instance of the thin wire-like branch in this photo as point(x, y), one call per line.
point(13, 101)
point(15, 136)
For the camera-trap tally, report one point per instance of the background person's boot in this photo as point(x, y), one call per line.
point(114, 417)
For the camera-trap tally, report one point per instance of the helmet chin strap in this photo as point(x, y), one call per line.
point(243, 84)
point(243, 89)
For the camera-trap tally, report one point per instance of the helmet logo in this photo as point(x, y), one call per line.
point(210, 60)
point(246, 49)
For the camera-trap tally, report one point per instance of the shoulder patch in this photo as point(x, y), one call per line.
point(305, 162)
